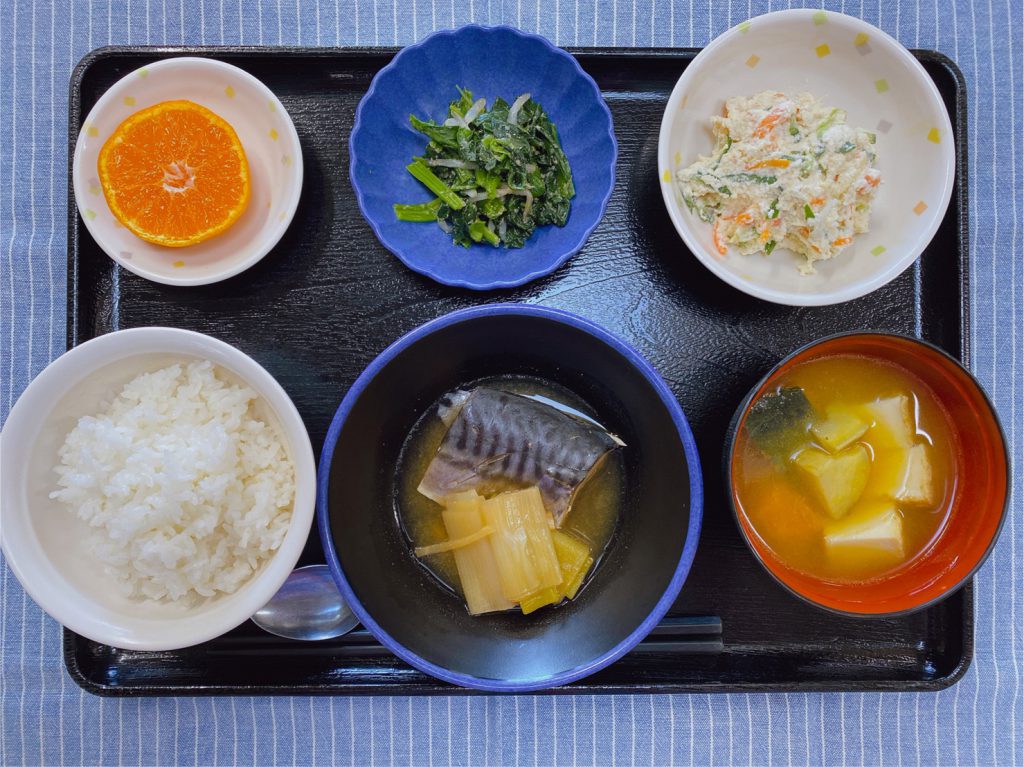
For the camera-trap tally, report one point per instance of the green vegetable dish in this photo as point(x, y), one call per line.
point(497, 173)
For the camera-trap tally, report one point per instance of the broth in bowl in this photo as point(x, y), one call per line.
point(868, 474)
point(846, 468)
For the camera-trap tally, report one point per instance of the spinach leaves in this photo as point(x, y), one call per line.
point(497, 174)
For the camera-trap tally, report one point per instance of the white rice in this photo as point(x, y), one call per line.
point(187, 492)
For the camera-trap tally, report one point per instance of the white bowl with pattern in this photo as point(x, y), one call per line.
point(271, 146)
point(844, 62)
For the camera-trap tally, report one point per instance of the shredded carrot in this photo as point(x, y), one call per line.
point(770, 122)
point(815, 248)
point(805, 231)
point(722, 250)
point(819, 201)
point(872, 180)
point(766, 234)
point(842, 242)
point(774, 162)
point(741, 218)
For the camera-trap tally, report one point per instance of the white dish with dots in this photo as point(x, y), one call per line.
point(271, 146)
point(844, 62)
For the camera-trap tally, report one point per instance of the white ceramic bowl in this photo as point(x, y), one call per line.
point(847, 63)
point(43, 541)
point(271, 146)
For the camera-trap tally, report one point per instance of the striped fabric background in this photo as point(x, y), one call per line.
point(46, 719)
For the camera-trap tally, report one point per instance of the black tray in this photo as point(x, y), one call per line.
point(329, 298)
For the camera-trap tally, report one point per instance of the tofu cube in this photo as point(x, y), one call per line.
point(904, 475)
point(892, 421)
point(918, 487)
point(876, 527)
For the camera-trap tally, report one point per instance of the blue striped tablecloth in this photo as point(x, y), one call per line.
point(46, 719)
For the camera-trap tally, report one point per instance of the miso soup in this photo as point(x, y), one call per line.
point(846, 468)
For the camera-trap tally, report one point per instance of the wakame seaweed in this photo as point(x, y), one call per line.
point(497, 174)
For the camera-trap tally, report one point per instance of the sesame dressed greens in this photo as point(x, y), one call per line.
point(497, 174)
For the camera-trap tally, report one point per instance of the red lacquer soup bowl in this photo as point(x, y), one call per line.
point(977, 493)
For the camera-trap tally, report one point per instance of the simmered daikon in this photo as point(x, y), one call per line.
point(574, 562)
point(522, 543)
point(508, 553)
point(478, 572)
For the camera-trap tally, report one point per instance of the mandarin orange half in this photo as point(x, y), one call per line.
point(175, 174)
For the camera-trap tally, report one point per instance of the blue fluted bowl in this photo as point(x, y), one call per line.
point(491, 62)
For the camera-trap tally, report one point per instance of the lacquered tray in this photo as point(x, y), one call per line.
point(329, 298)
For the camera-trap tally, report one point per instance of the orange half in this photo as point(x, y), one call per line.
point(175, 174)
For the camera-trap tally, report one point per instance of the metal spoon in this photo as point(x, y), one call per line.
point(308, 607)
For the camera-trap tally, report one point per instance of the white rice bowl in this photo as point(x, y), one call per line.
point(53, 551)
point(186, 491)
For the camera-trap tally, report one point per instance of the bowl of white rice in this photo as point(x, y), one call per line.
point(158, 488)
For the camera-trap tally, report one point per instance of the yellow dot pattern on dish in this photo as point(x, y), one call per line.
point(286, 160)
point(129, 101)
point(861, 39)
point(90, 214)
point(934, 136)
point(273, 107)
point(878, 250)
point(229, 92)
point(143, 72)
point(823, 50)
point(682, 103)
point(94, 188)
point(678, 159)
point(819, 18)
point(178, 264)
point(272, 134)
point(92, 130)
point(920, 208)
point(752, 61)
point(666, 176)
point(744, 27)
point(881, 86)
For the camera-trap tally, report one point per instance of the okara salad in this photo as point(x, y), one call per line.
point(786, 171)
point(497, 173)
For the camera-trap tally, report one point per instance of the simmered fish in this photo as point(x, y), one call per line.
point(497, 440)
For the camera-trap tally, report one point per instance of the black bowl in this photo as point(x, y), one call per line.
point(404, 606)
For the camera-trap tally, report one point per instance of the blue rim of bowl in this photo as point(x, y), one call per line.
point(353, 156)
point(695, 506)
point(744, 408)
